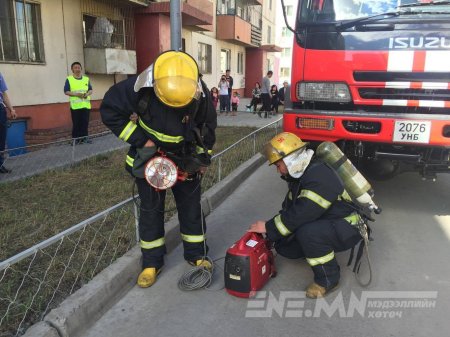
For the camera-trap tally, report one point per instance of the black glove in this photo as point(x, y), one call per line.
point(144, 154)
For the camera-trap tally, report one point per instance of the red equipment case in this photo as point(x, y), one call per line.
point(249, 264)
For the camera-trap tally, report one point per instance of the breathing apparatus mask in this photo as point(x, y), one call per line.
point(298, 161)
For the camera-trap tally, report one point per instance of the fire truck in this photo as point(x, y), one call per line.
point(373, 76)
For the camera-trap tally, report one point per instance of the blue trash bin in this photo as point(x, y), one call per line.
point(15, 137)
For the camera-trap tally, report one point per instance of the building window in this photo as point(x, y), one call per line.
point(289, 10)
point(285, 72)
point(269, 64)
point(286, 52)
point(21, 31)
point(269, 35)
point(226, 7)
point(204, 58)
point(285, 32)
point(225, 60)
point(270, 4)
point(240, 63)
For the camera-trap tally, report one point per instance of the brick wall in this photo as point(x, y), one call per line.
point(34, 137)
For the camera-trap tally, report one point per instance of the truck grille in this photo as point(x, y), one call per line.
point(405, 94)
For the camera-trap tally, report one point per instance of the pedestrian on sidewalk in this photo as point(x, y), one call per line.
point(176, 120)
point(79, 89)
point(223, 95)
point(234, 103)
point(283, 92)
point(316, 219)
point(5, 103)
point(265, 94)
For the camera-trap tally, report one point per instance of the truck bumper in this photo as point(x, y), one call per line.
point(419, 129)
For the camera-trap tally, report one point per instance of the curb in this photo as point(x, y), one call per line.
point(41, 329)
point(80, 310)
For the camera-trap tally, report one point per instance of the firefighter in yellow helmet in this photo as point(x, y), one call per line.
point(175, 120)
point(315, 221)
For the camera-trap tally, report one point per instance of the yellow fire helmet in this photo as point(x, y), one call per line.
point(175, 79)
point(282, 145)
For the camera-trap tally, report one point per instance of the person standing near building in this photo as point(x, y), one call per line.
point(230, 88)
point(224, 99)
point(265, 94)
point(282, 94)
point(5, 103)
point(79, 89)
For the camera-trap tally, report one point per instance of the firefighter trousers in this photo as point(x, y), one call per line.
point(317, 242)
point(151, 221)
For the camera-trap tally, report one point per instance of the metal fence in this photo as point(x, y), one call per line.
point(41, 277)
point(33, 159)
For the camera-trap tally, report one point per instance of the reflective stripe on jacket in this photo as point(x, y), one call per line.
point(80, 86)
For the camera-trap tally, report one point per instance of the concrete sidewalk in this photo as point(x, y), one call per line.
point(245, 118)
point(164, 310)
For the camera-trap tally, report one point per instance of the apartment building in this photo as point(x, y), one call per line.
point(114, 39)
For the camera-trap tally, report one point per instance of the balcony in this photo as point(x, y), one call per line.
point(240, 22)
point(197, 15)
point(234, 29)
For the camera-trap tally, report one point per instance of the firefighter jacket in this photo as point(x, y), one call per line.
point(317, 194)
point(171, 129)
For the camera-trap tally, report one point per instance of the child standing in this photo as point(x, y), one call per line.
point(234, 103)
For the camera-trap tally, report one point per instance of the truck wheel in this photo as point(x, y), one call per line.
point(381, 169)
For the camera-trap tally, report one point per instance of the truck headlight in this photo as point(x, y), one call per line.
point(323, 91)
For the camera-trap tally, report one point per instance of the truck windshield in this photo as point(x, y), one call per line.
point(317, 11)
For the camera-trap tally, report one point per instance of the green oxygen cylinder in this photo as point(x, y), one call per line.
point(354, 182)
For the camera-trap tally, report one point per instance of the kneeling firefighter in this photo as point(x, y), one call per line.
point(175, 121)
point(316, 219)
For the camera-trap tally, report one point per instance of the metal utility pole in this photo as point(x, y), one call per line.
point(175, 24)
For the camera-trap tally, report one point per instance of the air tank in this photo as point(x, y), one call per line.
point(354, 182)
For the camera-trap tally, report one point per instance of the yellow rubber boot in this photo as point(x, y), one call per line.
point(204, 263)
point(316, 291)
point(147, 277)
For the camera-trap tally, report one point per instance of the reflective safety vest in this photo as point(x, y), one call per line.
point(79, 85)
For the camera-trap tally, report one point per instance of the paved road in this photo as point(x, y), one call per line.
point(410, 260)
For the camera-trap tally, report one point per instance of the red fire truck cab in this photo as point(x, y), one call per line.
point(374, 77)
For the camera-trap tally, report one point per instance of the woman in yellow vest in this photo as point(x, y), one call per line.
point(79, 90)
